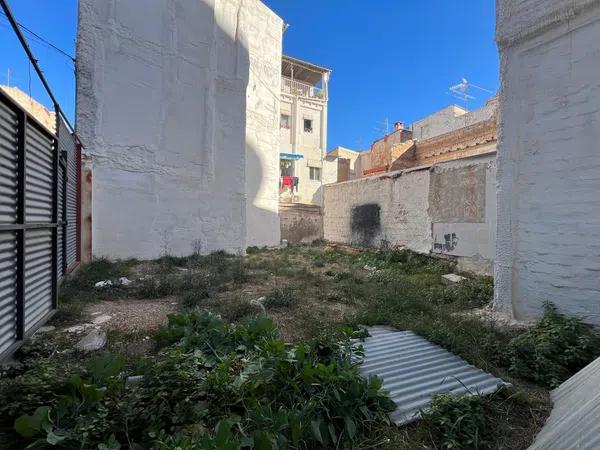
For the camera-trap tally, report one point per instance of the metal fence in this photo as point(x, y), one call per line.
point(39, 210)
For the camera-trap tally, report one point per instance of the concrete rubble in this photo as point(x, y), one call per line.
point(94, 340)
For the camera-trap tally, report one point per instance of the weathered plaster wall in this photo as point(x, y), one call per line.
point(165, 93)
point(447, 210)
point(263, 34)
point(301, 223)
point(548, 237)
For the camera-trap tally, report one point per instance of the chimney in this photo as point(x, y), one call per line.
point(399, 126)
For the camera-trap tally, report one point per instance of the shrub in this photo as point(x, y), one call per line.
point(457, 422)
point(215, 386)
point(553, 349)
point(281, 298)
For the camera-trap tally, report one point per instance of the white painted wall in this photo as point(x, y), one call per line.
point(548, 241)
point(405, 199)
point(450, 119)
point(175, 108)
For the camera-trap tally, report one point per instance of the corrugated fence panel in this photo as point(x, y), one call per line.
point(66, 142)
point(8, 165)
point(8, 289)
point(38, 276)
point(40, 171)
point(59, 250)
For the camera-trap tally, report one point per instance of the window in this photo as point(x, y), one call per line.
point(285, 121)
point(308, 126)
point(315, 173)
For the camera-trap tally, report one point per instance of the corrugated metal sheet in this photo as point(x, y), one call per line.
point(66, 144)
point(8, 289)
point(39, 176)
point(38, 276)
point(8, 165)
point(575, 419)
point(59, 250)
point(413, 370)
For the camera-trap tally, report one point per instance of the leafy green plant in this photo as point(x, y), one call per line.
point(457, 422)
point(553, 349)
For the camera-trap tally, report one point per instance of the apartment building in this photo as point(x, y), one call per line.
point(303, 130)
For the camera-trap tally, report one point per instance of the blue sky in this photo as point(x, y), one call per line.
point(390, 59)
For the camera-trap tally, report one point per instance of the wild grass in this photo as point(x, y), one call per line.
point(309, 290)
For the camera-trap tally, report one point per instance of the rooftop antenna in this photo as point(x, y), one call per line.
point(385, 129)
point(463, 91)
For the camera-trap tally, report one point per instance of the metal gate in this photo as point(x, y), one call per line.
point(39, 204)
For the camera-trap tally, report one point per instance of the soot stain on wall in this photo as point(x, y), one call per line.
point(365, 223)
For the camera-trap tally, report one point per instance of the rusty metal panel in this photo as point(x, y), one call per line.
point(575, 418)
point(413, 370)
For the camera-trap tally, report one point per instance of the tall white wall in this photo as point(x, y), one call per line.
point(264, 29)
point(448, 210)
point(548, 241)
point(170, 108)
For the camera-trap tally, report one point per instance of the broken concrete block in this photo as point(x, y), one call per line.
point(77, 328)
point(45, 329)
point(94, 340)
point(101, 319)
point(451, 278)
point(369, 268)
point(124, 281)
point(103, 284)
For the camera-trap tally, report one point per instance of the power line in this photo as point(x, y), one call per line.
point(41, 39)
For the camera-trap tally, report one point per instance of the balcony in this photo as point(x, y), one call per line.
point(293, 87)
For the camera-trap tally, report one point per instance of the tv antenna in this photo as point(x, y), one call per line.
point(463, 91)
point(385, 127)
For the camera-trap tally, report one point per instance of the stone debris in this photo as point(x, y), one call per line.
point(101, 319)
point(103, 284)
point(94, 340)
point(124, 281)
point(259, 302)
point(77, 328)
point(369, 268)
point(284, 243)
point(96, 313)
point(45, 329)
point(451, 278)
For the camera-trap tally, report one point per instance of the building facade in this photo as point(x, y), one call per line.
point(548, 238)
point(178, 109)
point(449, 134)
point(303, 132)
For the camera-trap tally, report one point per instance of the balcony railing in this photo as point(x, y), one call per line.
point(293, 87)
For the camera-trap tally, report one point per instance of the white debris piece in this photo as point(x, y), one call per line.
point(259, 302)
point(284, 243)
point(124, 281)
point(452, 278)
point(103, 284)
point(369, 268)
point(94, 340)
point(101, 319)
point(45, 329)
point(77, 328)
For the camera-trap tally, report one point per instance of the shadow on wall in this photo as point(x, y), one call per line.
point(181, 163)
point(365, 224)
